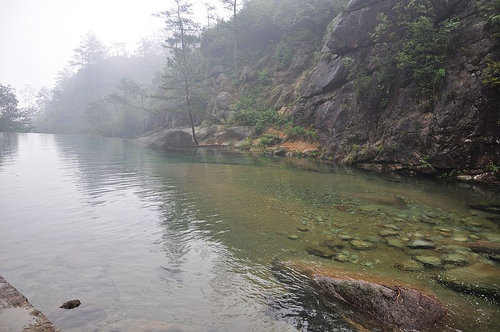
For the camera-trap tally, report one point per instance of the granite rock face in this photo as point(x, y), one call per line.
point(458, 129)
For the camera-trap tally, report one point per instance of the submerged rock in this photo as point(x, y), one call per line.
point(341, 257)
point(388, 232)
point(478, 279)
point(495, 237)
point(460, 238)
point(422, 244)
point(395, 243)
point(392, 304)
point(362, 245)
point(432, 261)
point(455, 259)
point(333, 244)
point(409, 265)
point(345, 237)
point(490, 208)
point(293, 237)
point(485, 247)
point(321, 251)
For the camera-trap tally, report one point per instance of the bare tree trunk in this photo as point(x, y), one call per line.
point(188, 103)
point(235, 36)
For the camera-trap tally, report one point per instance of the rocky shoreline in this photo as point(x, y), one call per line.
point(241, 138)
point(17, 314)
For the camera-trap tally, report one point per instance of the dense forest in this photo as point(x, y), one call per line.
point(361, 80)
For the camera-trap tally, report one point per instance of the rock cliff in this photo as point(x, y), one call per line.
point(457, 128)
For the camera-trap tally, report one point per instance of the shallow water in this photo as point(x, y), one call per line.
point(178, 241)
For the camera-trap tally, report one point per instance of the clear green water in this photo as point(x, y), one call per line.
point(156, 241)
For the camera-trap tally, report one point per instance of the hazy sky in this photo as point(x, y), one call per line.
point(37, 37)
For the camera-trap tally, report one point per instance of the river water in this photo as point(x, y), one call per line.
point(185, 241)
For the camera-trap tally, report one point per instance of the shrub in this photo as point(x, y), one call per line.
point(492, 74)
point(251, 111)
point(264, 77)
point(301, 133)
point(283, 54)
point(270, 140)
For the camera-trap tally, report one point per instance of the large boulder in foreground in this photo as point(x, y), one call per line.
point(479, 279)
point(392, 304)
point(169, 139)
point(17, 314)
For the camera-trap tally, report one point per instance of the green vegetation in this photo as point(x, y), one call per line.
point(283, 54)
point(298, 132)
point(414, 47)
point(164, 82)
point(270, 140)
point(424, 45)
point(250, 110)
point(492, 74)
point(492, 167)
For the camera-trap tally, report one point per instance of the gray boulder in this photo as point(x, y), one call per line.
point(169, 139)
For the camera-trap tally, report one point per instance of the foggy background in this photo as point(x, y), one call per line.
point(37, 37)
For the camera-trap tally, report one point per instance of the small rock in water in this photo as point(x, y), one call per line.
point(391, 226)
point(428, 221)
point(495, 258)
point(388, 232)
point(455, 259)
point(409, 265)
point(303, 229)
point(70, 304)
point(293, 237)
point(475, 224)
point(495, 237)
point(421, 244)
point(428, 260)
point(345, 237)
point(320, 251)
point(332, 244)
point(343, 258)
point(395, 243)
point(362, 245)
point(460, 238)
point(474, 237)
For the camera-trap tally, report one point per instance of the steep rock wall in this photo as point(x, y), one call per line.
point(459, 128)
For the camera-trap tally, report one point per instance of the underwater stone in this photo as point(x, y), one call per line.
point(460, 238)
point(409, 265)
point(428, 260)
point(388, 232)
point(395, 243)
point(455, 259)
point(421, 244)
point(362, 245)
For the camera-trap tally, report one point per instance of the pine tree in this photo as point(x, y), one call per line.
point(183, 39)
